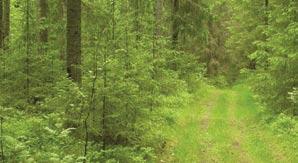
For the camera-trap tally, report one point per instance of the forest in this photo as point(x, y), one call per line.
point(135, 81)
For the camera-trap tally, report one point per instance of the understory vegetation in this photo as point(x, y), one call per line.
point(148, 81)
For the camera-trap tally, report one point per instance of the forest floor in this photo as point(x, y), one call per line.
point(224, 126)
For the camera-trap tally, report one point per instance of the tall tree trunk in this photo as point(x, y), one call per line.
point(266, 14)
point(158, 17)
point(2, 61)
point(43, 14)
point(266, 18)
point(137, 22)
point(28, 49)
point(1, 24)
point(104, 103)
point(6, 22)
point(157, 26)
point(156, 35)
point(105, 78)
point(175, 24)
point(1, 140)
point(61, 39)
point(73, 61)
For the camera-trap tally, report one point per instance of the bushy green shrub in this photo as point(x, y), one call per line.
point(219, 81)
point(30, 138)
point(284, 124)
point(122, 154)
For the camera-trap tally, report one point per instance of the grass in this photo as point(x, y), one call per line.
point(224, 127)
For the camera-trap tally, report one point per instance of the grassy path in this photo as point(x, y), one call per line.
point(223, 127)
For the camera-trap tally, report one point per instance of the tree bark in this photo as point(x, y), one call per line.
point(5, 30)
point(1, 25)
point(175, 24)
point(43, 14)
point(137, 22)
point(6, 22)
point(28, 49)
point(266, 12)
point(158, 17)
point(73, 61)
point(1, 141)
point(157, 25)
point(61, 40)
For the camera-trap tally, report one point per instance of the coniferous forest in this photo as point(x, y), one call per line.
point(133, 81)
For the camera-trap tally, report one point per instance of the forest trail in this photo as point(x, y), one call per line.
point(224, 127)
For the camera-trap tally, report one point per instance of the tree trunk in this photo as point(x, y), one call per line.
point(5, 30)
point(137, 22)
point(43, 14)
point(1, 24)
point(28, 49)
point(175, 25)
point(266, 28)
point(73, 61)
point(158, 17)
point(266, 12)
point(157, 32)
point(61, 40)
point(6, 22)
point(1, 140)
point(157, 25)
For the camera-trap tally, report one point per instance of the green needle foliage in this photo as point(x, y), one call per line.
point(99, 80)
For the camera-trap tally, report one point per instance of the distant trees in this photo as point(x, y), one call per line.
point(114, 70)
point(264, 43)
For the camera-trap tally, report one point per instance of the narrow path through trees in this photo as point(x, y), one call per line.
point(225, 127)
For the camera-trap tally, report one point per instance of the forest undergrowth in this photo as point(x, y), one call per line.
point(148, 81)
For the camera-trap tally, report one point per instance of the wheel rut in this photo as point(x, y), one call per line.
point(238, 133)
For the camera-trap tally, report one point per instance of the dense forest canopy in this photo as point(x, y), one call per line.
point(100, 80)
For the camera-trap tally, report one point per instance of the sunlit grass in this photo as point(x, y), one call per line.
point(224, 126)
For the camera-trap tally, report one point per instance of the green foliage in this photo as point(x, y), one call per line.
point(219, 81)
point(135, 80)
point(36, 139)
point(123, 154)
point(265, 42)
point(285, 125)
